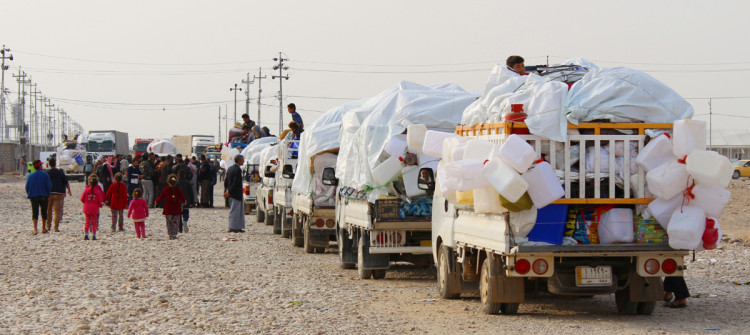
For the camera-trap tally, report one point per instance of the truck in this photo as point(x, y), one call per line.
point(189, 145)
point(251, 177)
point(141, 145)
point(479, 253)
point(314, 218)
point(282, 189)
point(268, 164)
point(71, 156)
point(108, 142)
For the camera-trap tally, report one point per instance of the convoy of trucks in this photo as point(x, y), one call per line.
point(108, 142)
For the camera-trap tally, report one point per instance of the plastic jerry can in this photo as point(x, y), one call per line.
point(709, 168)
point(662, 209)
point(465, 198)
point(396, 145)
point(479, 149)
point(688, 136)
point(433, 142)
point(449, 195)
point(486, 200)
point(686, 228)
point(544, 186)
point(415, 137)
point(616, 226)
point(712, 199)
point(427, 161)
point(504, 179)
point(410, 175)
point(449, 146)
point(668, 180)
point(657, 152)
point(710, 235)
point(387, 170)
point(517, 153)
point(464, 175)
point(522, 204)
point(516, 114)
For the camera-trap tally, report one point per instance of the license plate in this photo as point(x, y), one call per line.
point(425, 243)
point(590, 276)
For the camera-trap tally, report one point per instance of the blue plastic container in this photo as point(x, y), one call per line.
point(550, 224)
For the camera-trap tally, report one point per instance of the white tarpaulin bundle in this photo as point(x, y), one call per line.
point(616, 94)
point(162, 147)
point(251, 150)
point(363, 139)
point(321, 136)
point(270, 153)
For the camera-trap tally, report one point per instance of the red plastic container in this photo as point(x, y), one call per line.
point(517, 115)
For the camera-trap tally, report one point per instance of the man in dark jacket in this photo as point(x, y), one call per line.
point(57, 195)
point(233, 185)
point(38, 187)
point(149, 175)
point(204, 180)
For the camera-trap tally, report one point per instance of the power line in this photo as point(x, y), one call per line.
point(397, 65)
point(660, 64)
point(393, 72)
point(137, 63)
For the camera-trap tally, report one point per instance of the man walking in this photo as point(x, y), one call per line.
point(56, 199)
point(204, 179)
point(233, 185)
point(148, 171)
point(38, 187)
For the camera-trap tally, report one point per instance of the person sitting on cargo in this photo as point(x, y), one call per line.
point(292, 108)
point(266, 131)
point(515, 64)
point(246, 122)
point(245, 138)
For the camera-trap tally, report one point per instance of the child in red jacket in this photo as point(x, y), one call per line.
point(92, 199)
point(173, 201)
point(138, 210)
point(117, 199)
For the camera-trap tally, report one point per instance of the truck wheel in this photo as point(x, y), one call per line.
point(736, 174)
point(646, 307)
point(320, 250)
point(378, 274)
point(269, 218)
point(276, 221)
point(286, 229)
point(363, 245)
point(509, 308)
point(260, 216)
point(345, 246)
point(297, 240)
point(624, 305)
point(247, 209)
point(309, 249)
point(485, 290)
point(446, 285)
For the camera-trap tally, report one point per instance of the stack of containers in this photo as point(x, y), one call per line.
point(689, 183)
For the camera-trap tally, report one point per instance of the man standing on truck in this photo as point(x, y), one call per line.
point(233, 185)
point(56, 196)
point(292, 108)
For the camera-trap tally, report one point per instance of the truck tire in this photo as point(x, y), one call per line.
point(624, 305)
point(309, 249)
point(362, 248)
point(509, 308)
point(345, 246)
point(247, 209)
point(276, 221)
point(646, 307)
point(320, 250)
point(297, 240)
point(286, 229)
point(269, 218)
point(485, 290)
point(260, 215)
point(378, 274)
point(446, 284)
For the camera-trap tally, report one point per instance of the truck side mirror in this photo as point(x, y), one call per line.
point(329, 177)
point(288, 171)
point(267, 172)
point(426, 179)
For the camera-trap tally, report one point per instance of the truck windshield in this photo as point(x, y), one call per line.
point(199, 149)
point(141, 147)
point(100, 147)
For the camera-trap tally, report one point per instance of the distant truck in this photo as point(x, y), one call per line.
point(140, 146)
point(108, 142)
point(187, 145)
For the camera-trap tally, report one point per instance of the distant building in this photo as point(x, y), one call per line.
point(733, 143)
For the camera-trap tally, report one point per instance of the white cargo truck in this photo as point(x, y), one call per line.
point(282, 189)
point(264, 199)
point(189, 145)
point(251, 174)
point(471, 248)
point(108, 143)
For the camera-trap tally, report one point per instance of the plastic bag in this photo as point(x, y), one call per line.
point(586, 224)
point(648, 230)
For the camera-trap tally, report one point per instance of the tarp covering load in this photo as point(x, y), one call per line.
point(266, 156)
point(363, 139)
point(255, 147)
point(162, 147)
point(576, 91)
point(322, 136)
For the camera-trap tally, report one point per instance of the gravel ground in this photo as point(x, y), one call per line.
point(200, 283)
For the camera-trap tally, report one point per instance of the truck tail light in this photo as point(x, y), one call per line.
point(651, 266)
point(522, 266)
point(669, 266)
point(319, 223)
point(246, 189)
point(330, 223)
point(270, 200)
point(539, 266)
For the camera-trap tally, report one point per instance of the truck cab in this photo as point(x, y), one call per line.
point(264, 211)
point(282, 191)
point(250, 182)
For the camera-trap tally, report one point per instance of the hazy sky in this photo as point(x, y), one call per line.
point(162, 68)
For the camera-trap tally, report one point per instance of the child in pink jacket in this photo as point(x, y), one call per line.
point(138, 209)
point(92, 199)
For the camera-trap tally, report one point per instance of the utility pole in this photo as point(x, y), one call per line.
point(247, 93)
point(710, 130)
point(260, 79)
point(219, 138)
point(21, 79)
point(235, 89)
point(2, 88)
point(50, 128)
point(280, 67)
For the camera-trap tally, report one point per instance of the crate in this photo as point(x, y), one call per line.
point(387, 209)
point(550, 224)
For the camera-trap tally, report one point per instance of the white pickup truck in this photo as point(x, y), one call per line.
point(282, 190)
point(264, 193)
point(469, 247)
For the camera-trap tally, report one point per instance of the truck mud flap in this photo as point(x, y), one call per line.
point(645, 289)
point(509, 289)
point(371, 261)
